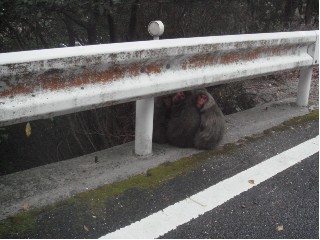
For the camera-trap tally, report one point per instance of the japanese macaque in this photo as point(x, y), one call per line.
point(188, 119)
point(162, 106)
point(184, 120)
point(212, 123)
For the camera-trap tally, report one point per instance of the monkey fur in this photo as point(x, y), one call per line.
point(184, 120)
point(212, 123)
point(162, 106)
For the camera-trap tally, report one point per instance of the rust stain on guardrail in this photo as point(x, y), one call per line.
point(253, 54)
point(56, 79)
point(198, 61)
point(96, 69)
point(240, 55)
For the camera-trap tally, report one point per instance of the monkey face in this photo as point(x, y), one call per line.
point(201, 101)
point(167, 102)
point(178, 97)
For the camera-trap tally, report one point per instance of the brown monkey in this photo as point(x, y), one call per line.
point(161, 115)
point(211, 129)
point(184, 120)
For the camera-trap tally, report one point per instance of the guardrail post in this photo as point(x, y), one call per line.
point(145, 107)
point(304, 86)
point(306, 74)
point(144, 126)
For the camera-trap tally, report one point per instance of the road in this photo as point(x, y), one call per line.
point(283, 205)
point(288, 201)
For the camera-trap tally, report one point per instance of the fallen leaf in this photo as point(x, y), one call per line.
point(26, 206)
point(85, 228)
point(28, 129)
point(251, 181)
point(279, 228)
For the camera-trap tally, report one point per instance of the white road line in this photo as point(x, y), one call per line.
point(182, 212)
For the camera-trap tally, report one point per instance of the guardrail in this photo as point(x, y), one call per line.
point(51, 82)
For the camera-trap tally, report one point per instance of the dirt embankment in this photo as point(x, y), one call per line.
point(243, 95)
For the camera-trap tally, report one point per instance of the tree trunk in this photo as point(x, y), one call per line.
point(70, 31)
point(92, 34)
point(289, 10)
point(113, 30)
point(38, 30)
point(92, 29)
point(133, 21)
point(308, 13)
point(252, 9)
point(17, 36)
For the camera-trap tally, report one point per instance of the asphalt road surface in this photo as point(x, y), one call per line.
point(284, 205)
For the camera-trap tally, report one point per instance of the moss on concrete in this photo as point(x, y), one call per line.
point(18, 225)
point(152, 178)
point(314, 115)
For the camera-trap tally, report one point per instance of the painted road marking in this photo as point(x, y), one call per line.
point(182, 212)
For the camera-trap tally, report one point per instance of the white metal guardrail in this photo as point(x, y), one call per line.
point(46, 83)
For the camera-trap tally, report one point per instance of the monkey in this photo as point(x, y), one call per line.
point(184, 120)
point(188, 119)
point(161, 115)
point(212, 122)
